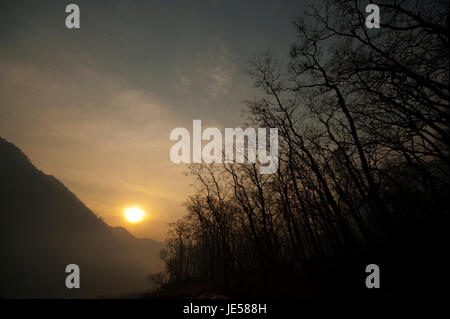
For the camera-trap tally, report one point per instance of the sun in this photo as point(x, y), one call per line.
point(134, 214)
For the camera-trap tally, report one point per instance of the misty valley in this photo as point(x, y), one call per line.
point(47, 228)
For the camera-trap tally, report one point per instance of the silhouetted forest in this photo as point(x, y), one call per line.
point(363, 117)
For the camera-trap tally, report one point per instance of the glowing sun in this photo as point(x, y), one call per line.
point(134, 214)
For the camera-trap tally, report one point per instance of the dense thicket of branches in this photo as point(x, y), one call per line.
point(363, 117)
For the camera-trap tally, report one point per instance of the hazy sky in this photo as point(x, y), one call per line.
point(95, 106)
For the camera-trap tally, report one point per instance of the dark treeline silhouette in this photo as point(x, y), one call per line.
point(363, 118)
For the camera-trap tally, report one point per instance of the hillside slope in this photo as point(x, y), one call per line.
point(44, 227)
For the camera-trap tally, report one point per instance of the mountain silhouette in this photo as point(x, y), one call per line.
point(44, 227)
